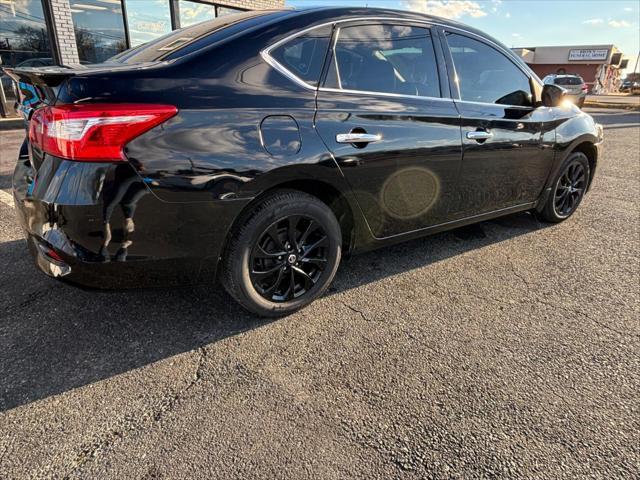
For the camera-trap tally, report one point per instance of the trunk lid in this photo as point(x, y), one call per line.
point(38, 86)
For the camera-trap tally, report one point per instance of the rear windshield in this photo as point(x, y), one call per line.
point(568, 81)
point(174, 45)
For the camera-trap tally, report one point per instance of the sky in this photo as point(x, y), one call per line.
point(530, 23)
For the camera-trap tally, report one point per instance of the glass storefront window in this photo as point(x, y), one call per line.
point(99, 28)
point(23, 41)
point(147, 20)
point(195, 12)
point(222, 11)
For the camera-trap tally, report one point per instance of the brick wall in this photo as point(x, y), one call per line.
point(63, 26)
point(253, 4)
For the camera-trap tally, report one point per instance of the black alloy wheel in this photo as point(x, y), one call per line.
point(570, 188)
point(282, 254)
point(288, 258)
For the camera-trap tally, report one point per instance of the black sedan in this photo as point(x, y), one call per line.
point(258, 148)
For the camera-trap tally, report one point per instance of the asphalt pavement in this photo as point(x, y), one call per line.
point(509, 349)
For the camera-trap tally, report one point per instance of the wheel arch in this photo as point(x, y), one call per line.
point(330, 196)
point(585, 143)
point(588, 148)
point(327, 193)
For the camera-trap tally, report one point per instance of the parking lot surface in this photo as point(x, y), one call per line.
point(509, 349)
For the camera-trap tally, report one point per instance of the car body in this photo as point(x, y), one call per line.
point(392, 146)
point(630, 86)
point(574, 85)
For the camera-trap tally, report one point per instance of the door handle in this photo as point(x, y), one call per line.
point(479, 135)
point(353, 137)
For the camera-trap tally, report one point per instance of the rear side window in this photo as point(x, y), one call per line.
point(397, 59)
point(568, 81)
point(304, 55)
point(486, 75)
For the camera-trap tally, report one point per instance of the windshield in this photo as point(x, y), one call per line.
point(173, 43)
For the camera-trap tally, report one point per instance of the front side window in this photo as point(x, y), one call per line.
point(304, 55)
point(486, 75)
point(397, 59)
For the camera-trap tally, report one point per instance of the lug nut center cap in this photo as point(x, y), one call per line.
point(292, 259)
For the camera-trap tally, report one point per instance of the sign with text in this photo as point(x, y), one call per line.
point(588, 54)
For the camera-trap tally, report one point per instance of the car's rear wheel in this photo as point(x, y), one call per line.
point(283, 254)
point(568, 189)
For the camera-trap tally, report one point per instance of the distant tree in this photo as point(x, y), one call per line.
point(86, 45)
point(34, 39)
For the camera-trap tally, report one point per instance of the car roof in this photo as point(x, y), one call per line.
point(332, 14)
point(384, 12)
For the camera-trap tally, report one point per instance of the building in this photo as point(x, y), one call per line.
point(54, 32)
point(598, 65)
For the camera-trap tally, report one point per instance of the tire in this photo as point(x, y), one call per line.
point(564, 200)
point(260, 259)
point(581, 103)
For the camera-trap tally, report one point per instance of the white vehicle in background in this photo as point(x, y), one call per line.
point(573, 84)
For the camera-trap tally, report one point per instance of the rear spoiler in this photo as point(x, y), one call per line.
point(41, 76)
point(41, 84)
point(37, 85)
point(55, 75)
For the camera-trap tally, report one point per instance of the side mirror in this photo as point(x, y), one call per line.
point(552, 95)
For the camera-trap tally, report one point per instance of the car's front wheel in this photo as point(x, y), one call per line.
point(569, 188)
point(283, 254)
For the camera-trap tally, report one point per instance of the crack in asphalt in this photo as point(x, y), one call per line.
point(589, 317)
point(353, 309)
point(543, 302)
point(30, 299)
point(518, 274)
point(131, 423)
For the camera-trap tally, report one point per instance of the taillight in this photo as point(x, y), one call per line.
point(93, 132)
point(585, 87)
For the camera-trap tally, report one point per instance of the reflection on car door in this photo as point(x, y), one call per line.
point(381, 114)
point(507, 146)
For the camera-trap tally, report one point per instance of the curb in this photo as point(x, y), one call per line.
point(11, 123)
point(619, 106)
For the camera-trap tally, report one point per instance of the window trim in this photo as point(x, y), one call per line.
point(266, 56)
point(439, 32)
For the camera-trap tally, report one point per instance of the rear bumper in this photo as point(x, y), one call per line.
point(100, 225)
